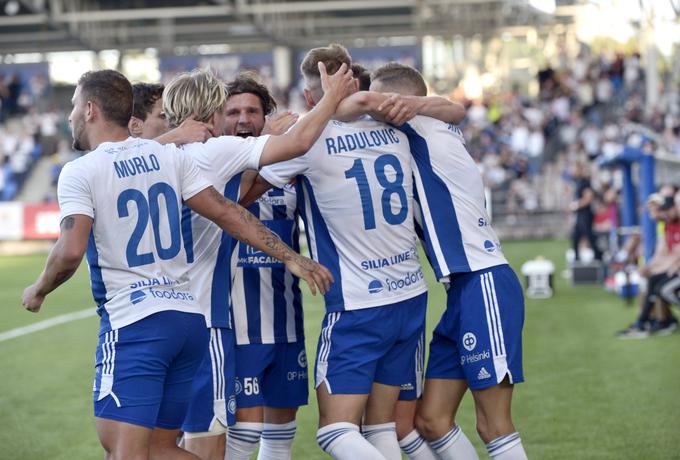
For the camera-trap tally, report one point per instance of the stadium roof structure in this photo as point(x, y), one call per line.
point(68, 25)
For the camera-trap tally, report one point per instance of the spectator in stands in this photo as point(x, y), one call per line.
point(662, 268)
point(670, 291)
point(582, 208)
point(49, 133)
point(9, 188)
point(14, 87)
point(4, 94)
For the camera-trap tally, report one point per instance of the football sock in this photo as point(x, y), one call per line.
point(384, 438)
point(277, 441)
point(242, 440)
point(416, 447)
point(507, 447)
point(454, 445)
point(343, 441)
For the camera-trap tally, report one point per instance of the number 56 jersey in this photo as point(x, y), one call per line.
point(134, 190)
point(355, 193)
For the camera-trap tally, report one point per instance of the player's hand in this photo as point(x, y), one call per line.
point(398, 109)
point(278, 123)
point(194, 131)
point(32, 300)
point(338, 85)
point(316, 275)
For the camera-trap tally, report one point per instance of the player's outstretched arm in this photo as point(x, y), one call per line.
point(62, 262)
point(398, 109)
point(242, 225)
point(300, 138)
point(361, 103)
point(189, 131)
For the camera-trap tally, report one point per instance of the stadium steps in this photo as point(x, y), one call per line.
point(38, 184)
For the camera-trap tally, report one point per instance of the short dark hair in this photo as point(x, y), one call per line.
point(144, 96)
point(247, 84)
point(111, 91)
point(362, 74)
point(397, 75)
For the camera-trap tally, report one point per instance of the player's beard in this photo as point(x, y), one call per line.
point(78, 133)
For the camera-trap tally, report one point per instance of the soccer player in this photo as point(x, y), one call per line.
point(403, 108)
point(121, 202)
point(478, 342)
point(271, 363)
point(148, 120)
point(355, 189)
point(222, 160)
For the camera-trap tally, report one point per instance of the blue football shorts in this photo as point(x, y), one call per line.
point(144, 371)
point(378, 344)
point(213, 404)
point(413, 387)
point(271, 375)
point(479, 337)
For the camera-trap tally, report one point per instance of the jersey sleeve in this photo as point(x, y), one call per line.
point(74, 192)
point(279, 174)
point(192, 181)
point(233, 154)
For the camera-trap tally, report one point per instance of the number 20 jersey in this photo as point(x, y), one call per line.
point(355, 193)
point(134, 190)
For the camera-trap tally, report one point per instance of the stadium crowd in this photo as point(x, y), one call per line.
point(584, 111)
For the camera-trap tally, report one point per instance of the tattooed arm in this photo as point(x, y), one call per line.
point(62, 262)
point(242, 225)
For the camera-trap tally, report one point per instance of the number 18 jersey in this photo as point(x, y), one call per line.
point(133, 190)
point(355, 192)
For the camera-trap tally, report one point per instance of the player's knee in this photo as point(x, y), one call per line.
point(404, 427)
point(161, 448)
point(430, 426)
point(492, 428)
point(114, 450)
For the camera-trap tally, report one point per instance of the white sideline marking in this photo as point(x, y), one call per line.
point(40, 325)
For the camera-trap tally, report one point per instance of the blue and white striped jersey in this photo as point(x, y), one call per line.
point(450, 194)
point(221, 160)
point(265, 296)
point(133, 190)
point(355, 191)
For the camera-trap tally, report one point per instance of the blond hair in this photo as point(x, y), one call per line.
point(198, 94)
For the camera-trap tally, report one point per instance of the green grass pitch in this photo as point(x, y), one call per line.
point(587, 394)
